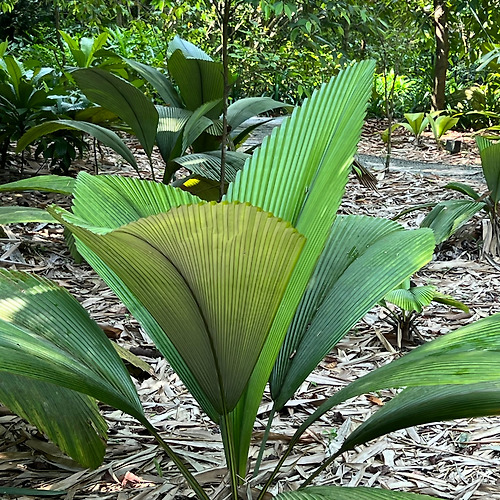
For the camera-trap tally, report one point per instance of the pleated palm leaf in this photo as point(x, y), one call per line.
point(298, 174)
point(408, 302)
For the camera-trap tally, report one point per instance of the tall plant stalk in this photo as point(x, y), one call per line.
point(224, 14)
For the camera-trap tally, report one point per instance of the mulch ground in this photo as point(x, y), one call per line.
point(452, 460)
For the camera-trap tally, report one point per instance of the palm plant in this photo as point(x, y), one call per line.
point(188, 120)
point(256, 287)
point(448, 216)
point(405, 303)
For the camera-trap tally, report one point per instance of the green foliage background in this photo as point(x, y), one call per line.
point(283, 49)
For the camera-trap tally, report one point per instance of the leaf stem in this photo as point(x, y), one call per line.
point(228, 440)
point(264, 441)
point(200, 493)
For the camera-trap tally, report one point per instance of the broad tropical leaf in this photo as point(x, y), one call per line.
point(169, 134)
point(483, 142)
point(243, 109)
point(107, 202)
point(299, 174)
point(47, 337)
point(344, 291)
point(490, 161)
point(348, 493)
point(158, 80)
point(448, 216)
point(205, 189)
point(199, 81)
point(189, 50)
point(468, 355)
point(416, 123)
point(49, 183)
point(20, 215)
point(422, 405)
point(185, 267)
point(411, 298)
point(103, 203)
point(121, 97)
point(198, 122)
point(70, 419)
point(208, 164)
point(414, 298)
point(107, 137)
point(464, 189)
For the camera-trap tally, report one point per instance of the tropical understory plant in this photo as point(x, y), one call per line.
point(405, 303)
point(255, 288)
point(448, 216)
point(188, 120)
point(416, 123)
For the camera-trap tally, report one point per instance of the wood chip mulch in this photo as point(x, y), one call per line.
point(452, 460)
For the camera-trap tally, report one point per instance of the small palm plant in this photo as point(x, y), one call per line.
point(448, 216)
point(405, 303)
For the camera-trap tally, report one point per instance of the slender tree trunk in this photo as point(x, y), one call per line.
point(442, 51)
point(225, 16)
point(57, 24)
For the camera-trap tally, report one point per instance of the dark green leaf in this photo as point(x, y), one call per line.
point(121, 97)
point(107, 137)
point(48, 183)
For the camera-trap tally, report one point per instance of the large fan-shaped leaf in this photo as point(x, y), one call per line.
point(348, 493)
point(70, 419)
point(421, 405)
point(446, 217)
point(49, 183)
point(158, 80)
point(47, 336)
point(121, 97)
point(361, 262)
point(107, 202)
point(243, 109)
point(186, 268)
point(107, 137)
point(299, 174)
point(490, 160)
point(104, 203)
point(199, 81)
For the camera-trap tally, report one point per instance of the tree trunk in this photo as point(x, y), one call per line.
point(442, 51)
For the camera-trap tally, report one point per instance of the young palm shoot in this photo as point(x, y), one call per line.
point(405, 303)
point(440, 125)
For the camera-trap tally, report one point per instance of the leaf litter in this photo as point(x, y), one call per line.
point(452, 460)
